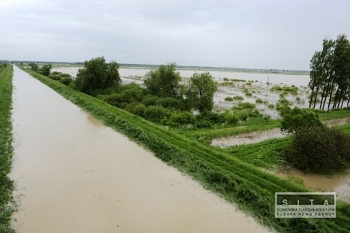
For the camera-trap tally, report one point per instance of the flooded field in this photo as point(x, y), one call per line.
point(259, 136)
point(73, 174)
point(257, 87)
point(247, 138)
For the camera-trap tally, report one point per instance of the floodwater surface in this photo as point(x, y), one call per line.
point(73, 174)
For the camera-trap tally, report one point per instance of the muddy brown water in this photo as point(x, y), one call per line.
point(73, 174)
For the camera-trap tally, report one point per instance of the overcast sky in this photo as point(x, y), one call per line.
point(269, 34)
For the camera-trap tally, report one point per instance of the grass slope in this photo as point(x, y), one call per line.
point(6, 150)
point(250, 188)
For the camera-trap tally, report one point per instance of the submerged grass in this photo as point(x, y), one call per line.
point(6, 150)
point(251, 189)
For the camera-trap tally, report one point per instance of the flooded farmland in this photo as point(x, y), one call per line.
point(257, 86)
point(73, 174)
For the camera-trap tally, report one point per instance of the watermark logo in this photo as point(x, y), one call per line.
point(305, 205)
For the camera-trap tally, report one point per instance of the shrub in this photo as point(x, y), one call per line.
point(72, 84)
point(169, 102)
point(297, 99)
point(246, 105)
point(231, 118)
point(237, 97)
point(271, 106)
point(249, 84)
point(112, 99)
point(156, 113)
point(149, 100)
point(182, 118)
point(259, 101)
point(66, 80)
point(294, 119)
point(284, 101)
point(248, 94)
point(139, 110)
point(243, 116)
point(228, 98)
point(210, 116)
point(131, 93)
point(319, 150)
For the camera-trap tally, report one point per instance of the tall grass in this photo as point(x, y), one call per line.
point(6, 150)
point(250, 188)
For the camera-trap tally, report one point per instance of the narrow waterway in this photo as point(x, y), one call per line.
point(73, 174)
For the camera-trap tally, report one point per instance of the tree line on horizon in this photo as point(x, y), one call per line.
point(330, 74)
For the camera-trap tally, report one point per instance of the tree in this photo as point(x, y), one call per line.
point(97, 76)
point(330, 74)
point(45, 70)
point(297, 118)
point(33, 66)
point(201, 91)
point(164, 81)
point(319, 150)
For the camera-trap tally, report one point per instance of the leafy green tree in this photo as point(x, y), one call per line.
point(200, 92)
point(319, 150)
point(97, 76)
point(164, 81)
point(330, 74)
point(297, 118)
point(45, 70)
point(33, 66)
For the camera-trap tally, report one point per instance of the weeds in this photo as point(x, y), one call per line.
point(6, 150)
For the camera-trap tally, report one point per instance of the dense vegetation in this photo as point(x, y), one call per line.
point(250, 188)
point(319, 149)
point(315, 148)
point(97, 76)
point(44, 70)
point(161, 99)
point(6, 150)
point(330, 74)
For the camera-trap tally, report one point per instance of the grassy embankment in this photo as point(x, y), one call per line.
point(250, 188)
point(6, 150)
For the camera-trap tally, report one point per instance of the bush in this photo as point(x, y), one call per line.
point(66, 81)
point(319, 150)
point(243, 116)
point(149, 100)
point(182, 118)
point(296, 118)
point(284, 101)
point(271, 106)
point(259, 101)
point(139, 110)
point(247, 105)
point(229, 98)
point(131, 93)
point(112, 99)
point(237, 97)
point(156, 113)
point(231, 118)
point(248, 94)
point(169, 102)
point(210, 116)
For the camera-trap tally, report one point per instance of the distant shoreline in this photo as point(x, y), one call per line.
point(199, 68)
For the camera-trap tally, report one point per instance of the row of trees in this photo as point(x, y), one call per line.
point(44, 70)
point(330, 74)
point(98, 77)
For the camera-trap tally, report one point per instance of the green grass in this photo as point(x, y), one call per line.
point(252, 189)
point(6, 150)
point(265, 154)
